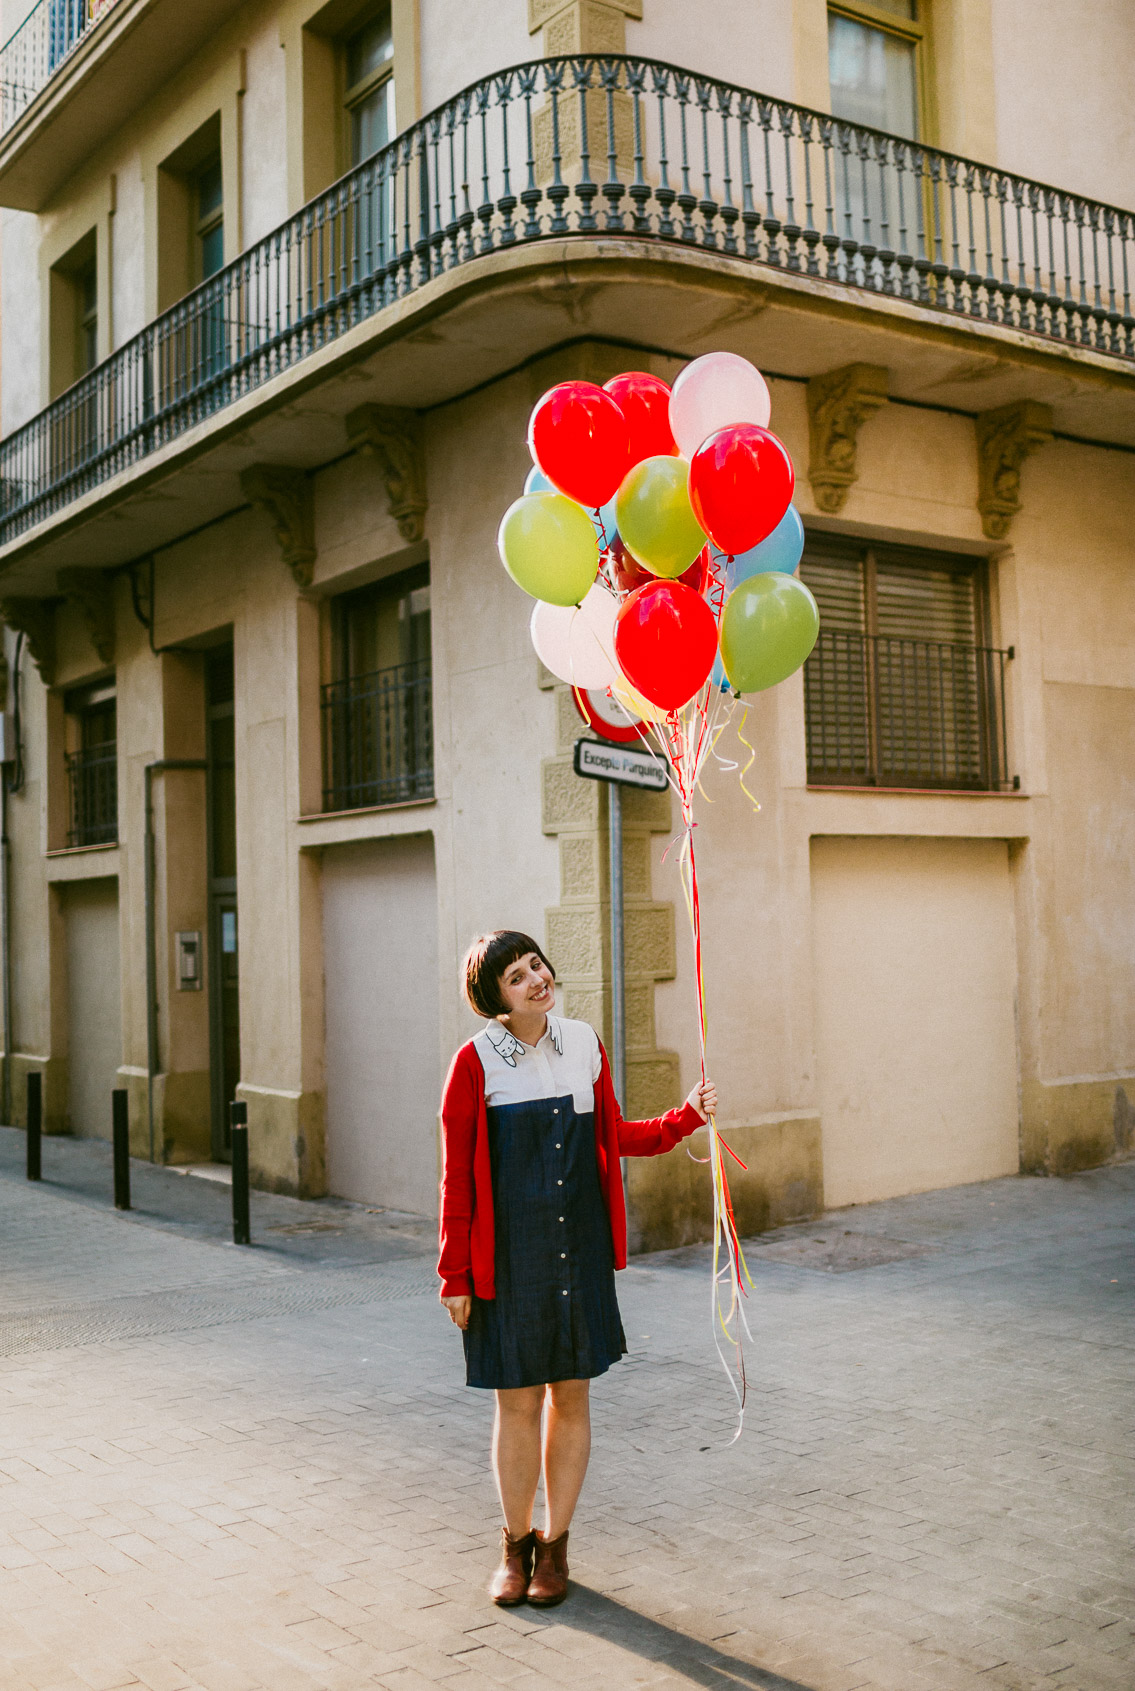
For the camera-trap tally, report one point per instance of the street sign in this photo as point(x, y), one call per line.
point(606, 717)
point(620, 764)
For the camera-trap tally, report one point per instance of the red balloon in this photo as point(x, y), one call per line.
point(665, 642)
point(577, 435)
point(645, 403)
point(697, 576)
point(628, 574)
point(741, 482)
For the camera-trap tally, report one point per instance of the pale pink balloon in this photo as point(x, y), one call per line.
point(713, 392)
point(577, 642)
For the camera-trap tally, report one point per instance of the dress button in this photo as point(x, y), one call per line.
point(555, 1112)
point(559, 1147)
point(565, 1291)
point(559, 1182)
point(561, 1218)
point(563, 1256)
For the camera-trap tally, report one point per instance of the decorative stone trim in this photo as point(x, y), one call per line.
point(839, 403)
point(93, 592)
point(586, 21)
point(35, 620)
point(285, 493)
point(1005, 438)
point(392, 436)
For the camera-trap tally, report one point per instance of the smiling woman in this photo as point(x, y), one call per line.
point(533, 1227)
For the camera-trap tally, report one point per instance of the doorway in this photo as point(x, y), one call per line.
point(224, 955)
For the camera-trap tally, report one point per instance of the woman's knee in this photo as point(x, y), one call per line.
point(571, 1398)
point(520, 1404)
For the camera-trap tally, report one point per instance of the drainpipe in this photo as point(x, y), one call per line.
point(157, 768)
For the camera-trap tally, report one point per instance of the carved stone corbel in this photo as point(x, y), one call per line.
point(285, 493)
point(839, 403)
point(392, 436)
point(35, 620)
point(1005, 438)
point(93, 592)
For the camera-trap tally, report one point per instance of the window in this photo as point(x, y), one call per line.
point(209, 224)
point(369, 99)
point(74, 306)
point(904, 688)
point(873, 64)
point(92, 764)
point(377, 730)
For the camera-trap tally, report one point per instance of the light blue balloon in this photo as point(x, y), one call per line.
point(781, 550)
point(718, 677)
point(605, 527)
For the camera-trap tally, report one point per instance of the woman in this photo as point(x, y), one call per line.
point(533, 1226)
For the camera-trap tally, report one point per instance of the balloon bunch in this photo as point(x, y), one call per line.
point(657, 535)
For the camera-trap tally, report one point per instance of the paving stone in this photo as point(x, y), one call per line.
point(260, 1471)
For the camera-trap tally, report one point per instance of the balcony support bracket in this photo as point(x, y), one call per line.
point(1005, 438)
point(839, 403)
point(93, 592)
point(35, 620)
point(285, 493)
point(392, 436)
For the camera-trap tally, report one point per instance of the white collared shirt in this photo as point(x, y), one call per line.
point(566, 1060)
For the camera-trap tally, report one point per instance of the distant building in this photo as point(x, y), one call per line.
point(281, 282)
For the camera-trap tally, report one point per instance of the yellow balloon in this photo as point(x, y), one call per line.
point(632, 700)
point(655, 518)
point(547, 544)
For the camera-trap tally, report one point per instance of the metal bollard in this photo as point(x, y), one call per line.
point(121, 1125)
point(35, 1123)
point(242, 1226)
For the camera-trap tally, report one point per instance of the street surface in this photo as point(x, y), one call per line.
point(259, 1469)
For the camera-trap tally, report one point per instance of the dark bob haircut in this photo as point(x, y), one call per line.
point(486, 961)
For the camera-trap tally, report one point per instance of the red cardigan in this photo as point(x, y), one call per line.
point(467, 1260)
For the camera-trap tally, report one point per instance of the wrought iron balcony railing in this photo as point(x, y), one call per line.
point(378, 738)
point(888, 712)
point(592, 147)
point(33, 53)
point(93, 778)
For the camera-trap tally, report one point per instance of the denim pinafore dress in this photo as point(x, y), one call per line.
point(555, 1315)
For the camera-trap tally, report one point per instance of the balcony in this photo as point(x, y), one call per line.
point(378, 738)
point(886, 711)
point(75, 71)
point(623, 162)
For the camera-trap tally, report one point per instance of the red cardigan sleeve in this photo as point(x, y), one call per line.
point(459, 1104)
point(645, 1138)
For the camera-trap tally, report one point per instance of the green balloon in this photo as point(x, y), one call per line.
point(655, 518)
point(547, 544)
point(768, 627)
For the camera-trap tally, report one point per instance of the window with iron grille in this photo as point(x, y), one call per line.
point(92, 765)
point(904, 688)
point(377, 727)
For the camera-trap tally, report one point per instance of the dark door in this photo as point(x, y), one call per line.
point(224, 977)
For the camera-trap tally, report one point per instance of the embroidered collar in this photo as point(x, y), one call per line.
point(508, 1047)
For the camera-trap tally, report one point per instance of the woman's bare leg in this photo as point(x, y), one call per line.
point(567, 1446)
point(516, 1454)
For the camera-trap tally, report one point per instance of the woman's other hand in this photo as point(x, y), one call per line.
point(459, 1310)
point(703, 1099)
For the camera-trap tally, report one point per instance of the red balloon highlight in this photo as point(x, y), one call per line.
point(741, 482)
point(577, 435)
point(665, 642)
point(645, 403)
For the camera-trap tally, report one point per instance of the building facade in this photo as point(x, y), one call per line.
point(281, 282)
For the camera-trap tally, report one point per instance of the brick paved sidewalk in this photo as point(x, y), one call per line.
point(259, 1471)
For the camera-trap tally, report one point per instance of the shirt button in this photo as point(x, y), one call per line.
point(559, 1182)
point(559, 1147)
point(565, 1293)
point(555, 1112)
point(561, 1218)
point(563, 1256)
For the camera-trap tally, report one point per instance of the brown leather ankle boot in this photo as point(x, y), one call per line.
point(549, 1582)
point(509, 1585)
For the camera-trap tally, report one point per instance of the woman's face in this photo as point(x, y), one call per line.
point(527, 985)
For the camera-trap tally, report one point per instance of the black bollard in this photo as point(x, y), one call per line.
point(35, 1123)
point(121, 1123)
point(242, 1226)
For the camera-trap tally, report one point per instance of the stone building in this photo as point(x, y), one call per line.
point(281, 281)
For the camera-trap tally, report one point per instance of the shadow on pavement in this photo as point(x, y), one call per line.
point(590, 1611)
